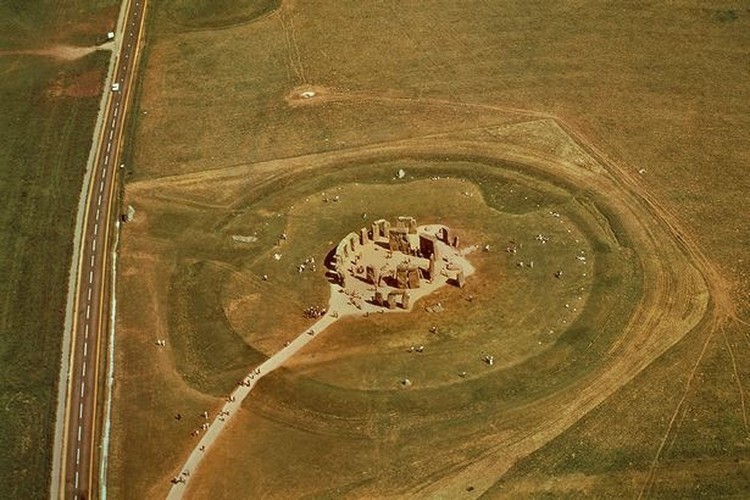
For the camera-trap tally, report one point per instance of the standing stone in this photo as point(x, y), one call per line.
point(413, 278)
point(460, 279)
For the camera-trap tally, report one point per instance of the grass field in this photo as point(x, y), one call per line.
point(47, 113)
point(629, 122)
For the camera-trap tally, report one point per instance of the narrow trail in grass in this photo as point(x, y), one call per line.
point(61, 52)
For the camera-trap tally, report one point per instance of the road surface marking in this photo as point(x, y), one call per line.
point(85, 353)
point(92, 261)
point(79, 432)
point(97, 216)
point(88, 311)
point(86, 332)
point(88, 299)
point(78, 456)
point(99, 201)
point(80, 410)
point(96, 228)
point(117, 108)
point(91, 278)
point(83, 388)
point(84, 367)
point(111, 133)
point(76, 482)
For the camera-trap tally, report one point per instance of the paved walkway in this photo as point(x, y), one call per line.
point(235, 401)
point(340, 305)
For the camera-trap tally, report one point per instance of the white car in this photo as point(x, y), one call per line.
point(116, 87)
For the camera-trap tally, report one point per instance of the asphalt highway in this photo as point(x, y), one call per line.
point(83, 402)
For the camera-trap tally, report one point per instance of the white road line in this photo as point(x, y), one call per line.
point(88, 298)
point(86, 332)
point(76, 482)
point(113, 123)
point(96, 228)
point(99, 200)
point(117, 108)
point(109, 146)
point(111, 134)
point(83, 388)
point(92, 261)
point(91, 277)
point(80, 410)
point(85, 353)
point(88, 311)
point(84, 368)
point(79, 432)
point(98, 209)
point(106, 158)
point(78, 456)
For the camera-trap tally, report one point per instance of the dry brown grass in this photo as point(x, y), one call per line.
point(655, 89)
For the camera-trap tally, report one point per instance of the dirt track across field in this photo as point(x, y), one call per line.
point(62, 52)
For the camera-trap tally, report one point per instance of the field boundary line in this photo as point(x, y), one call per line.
point(104, 457)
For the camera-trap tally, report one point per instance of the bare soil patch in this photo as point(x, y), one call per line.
point(86, 84)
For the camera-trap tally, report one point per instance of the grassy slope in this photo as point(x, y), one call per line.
point(45, 142)
point(658, 88)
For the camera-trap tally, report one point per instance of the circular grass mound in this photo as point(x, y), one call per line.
point(548, 300)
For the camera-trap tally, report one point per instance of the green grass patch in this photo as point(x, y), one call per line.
point(46, 141)
point(211, 354)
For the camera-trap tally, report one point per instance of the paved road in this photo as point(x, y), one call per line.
point(235, 401)
point(79, 451)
